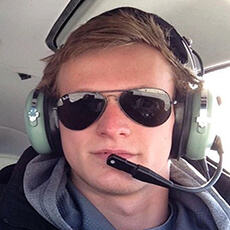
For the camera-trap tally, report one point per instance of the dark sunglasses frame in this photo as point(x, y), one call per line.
point(149, 107)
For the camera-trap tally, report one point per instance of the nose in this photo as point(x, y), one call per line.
point(113, 123)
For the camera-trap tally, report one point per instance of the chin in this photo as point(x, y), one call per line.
point(118, 184)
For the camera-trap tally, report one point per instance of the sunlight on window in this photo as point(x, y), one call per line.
point(219, 83)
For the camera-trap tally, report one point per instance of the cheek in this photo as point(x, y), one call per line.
point(166, 132)
point(72, 143)
point(159, 143)
point(163, 133)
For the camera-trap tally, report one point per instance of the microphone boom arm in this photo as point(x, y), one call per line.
point(147, 175)
point(138, 171)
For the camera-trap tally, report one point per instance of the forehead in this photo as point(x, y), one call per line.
point(122, 67)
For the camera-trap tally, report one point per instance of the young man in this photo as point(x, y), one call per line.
point(116, 81)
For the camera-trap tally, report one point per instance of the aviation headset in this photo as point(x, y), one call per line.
point(193, 130)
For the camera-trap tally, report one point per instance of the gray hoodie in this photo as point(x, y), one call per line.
point(51, 193)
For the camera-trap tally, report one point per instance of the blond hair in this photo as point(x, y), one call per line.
point(119, 27)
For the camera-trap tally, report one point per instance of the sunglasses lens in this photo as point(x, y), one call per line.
point(147, 108)
point(81, 110)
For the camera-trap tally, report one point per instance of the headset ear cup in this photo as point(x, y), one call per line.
point(35, 122)
point(181, 127)
point(194, 129)
point(177, 129)
point(202, 129)
point(51, 124)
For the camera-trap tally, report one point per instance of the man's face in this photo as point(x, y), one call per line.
point(134, 66)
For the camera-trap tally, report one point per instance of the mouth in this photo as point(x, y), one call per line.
point(104, 154)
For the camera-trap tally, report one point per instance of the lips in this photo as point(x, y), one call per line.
point(104, 154)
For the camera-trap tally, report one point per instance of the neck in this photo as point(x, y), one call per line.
point(143, 210)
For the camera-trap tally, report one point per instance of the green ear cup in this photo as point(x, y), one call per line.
point(202, 130)
point(35, 122)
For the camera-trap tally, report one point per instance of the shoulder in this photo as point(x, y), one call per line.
point(11, 177)
point(14, 207)
point(189, 216)
point(5, 175)
point(7, 172)
point(203, 210)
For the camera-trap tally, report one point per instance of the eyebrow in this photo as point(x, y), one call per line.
point(85, 89)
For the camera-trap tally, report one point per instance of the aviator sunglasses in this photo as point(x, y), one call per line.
point(149, 107)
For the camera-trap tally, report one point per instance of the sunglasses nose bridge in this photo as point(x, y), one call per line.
point(111, 96)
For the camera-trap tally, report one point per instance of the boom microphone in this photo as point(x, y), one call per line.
point(147, 175)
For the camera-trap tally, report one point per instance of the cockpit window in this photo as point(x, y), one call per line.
point(218, 82)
